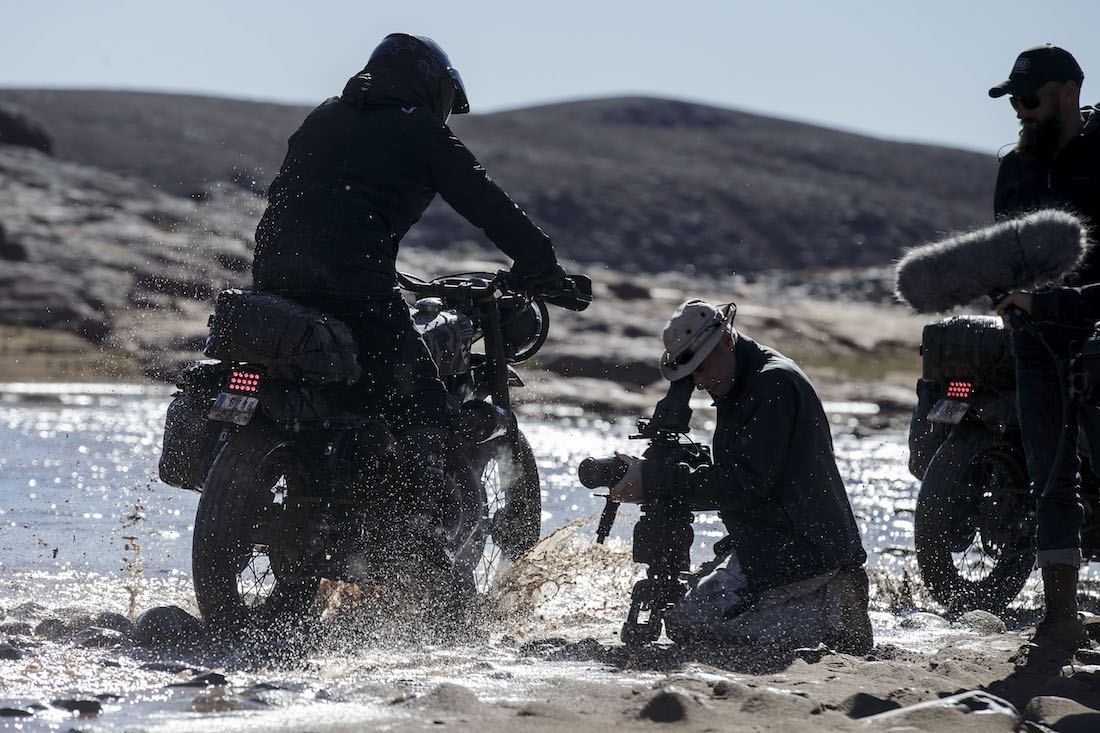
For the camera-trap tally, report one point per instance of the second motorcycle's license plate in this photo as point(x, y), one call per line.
point(948, 412)
point(234, 408)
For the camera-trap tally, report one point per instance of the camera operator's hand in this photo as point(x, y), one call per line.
point(629, 488)
point(549, 280)
point(1018, 299)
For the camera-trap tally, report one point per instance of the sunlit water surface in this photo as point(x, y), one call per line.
point(85, 523)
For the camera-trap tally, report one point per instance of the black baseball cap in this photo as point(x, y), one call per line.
point(1035, 67)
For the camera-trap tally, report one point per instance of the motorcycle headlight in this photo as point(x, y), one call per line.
point(523, 328)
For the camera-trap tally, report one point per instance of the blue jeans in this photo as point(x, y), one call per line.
point(1049, 422)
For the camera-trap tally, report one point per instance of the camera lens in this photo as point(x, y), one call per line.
point(598, 472)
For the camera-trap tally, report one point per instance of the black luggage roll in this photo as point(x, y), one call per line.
point(295, 343)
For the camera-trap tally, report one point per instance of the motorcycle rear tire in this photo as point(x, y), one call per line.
point(243, 503)
point(974, 523)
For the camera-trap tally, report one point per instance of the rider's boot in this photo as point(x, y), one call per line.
point(1061, 626)
point(424, 483)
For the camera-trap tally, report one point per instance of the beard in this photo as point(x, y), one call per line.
point(1040, 142)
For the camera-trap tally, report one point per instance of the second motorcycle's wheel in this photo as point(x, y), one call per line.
point(247, 557)
point(974, 523)
point(513, 502)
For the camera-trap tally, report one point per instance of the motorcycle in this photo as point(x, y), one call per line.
point(974, 524)
point(296, 489)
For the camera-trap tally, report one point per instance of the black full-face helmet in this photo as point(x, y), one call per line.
point(422, 59)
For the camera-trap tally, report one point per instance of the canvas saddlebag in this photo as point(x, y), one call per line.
point(294, 342)
point(190, 440)
point(974, 348)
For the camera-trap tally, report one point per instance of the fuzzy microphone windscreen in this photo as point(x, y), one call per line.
point(1016, 254)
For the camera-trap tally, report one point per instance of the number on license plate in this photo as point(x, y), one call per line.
point(234, 408)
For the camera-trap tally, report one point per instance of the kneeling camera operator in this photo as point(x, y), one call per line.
point(791, 572)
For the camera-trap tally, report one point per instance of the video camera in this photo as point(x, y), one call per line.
point(663, 536)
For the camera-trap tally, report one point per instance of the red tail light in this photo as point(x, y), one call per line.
point(959, 390)
point(244, 382)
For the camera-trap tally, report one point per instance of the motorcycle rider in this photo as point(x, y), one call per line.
point(1055, 163)
point(795, 576)
point(358, 173)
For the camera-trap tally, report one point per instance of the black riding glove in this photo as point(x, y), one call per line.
point(546, 281)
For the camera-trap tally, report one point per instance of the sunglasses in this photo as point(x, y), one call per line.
point(1028, 101)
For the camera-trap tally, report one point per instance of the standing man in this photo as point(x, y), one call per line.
point(795, 576)
point(1056, 163)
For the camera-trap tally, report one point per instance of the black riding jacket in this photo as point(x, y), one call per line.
point(359, 172)
point(774, 478)
point(1070, 181)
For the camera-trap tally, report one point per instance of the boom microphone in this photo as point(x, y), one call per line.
point(1016, 254)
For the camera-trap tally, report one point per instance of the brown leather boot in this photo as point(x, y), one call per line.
point(1061, 627)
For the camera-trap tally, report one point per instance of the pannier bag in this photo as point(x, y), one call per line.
point(190, 440)
point(296, 343)
point(975, 348)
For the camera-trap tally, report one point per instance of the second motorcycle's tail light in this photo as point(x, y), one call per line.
point(959, 390)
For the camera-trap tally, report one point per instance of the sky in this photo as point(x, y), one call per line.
point(915, 70)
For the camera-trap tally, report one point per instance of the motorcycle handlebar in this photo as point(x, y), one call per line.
point(576, 292)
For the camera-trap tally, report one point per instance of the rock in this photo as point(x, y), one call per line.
point(924, 620)
point(95, 637)
point(629, 290)
point(776, 704)
point(730, 690)
point(668, 706)
point(1062, 715)
point(50, 628)
point(208, 679)
point(542, 645)
point(9, 652)
point(83, 706)
point(952, 713)
point(77, 622)
point(449, 697)
point(10, 712)
point(29, 611)
point(18, 128)
point(16, 628)
point(862, 705)
point(983, 622)
point(168, 626)
point(116, 621)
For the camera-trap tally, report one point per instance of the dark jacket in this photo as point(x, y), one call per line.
point(774, 478)
point(359, 172)
point(1078, 307)
point(1070, 181)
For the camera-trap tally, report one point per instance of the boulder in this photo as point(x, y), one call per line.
point(1062, 715)
point(18, 128)
point(966, 711)
point(982, 622)
point(95, 637)
point(168, 627)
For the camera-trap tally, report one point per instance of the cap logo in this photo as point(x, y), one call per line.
point(1022, 65)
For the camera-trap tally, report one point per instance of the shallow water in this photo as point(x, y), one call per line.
point(85, 523)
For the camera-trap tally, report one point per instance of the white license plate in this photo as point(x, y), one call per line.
point(234, 408)
point(948, 412)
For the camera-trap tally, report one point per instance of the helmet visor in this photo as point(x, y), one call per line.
point(461, 105)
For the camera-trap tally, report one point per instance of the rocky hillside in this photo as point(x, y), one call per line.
point(637, 184)
point(147, 204)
